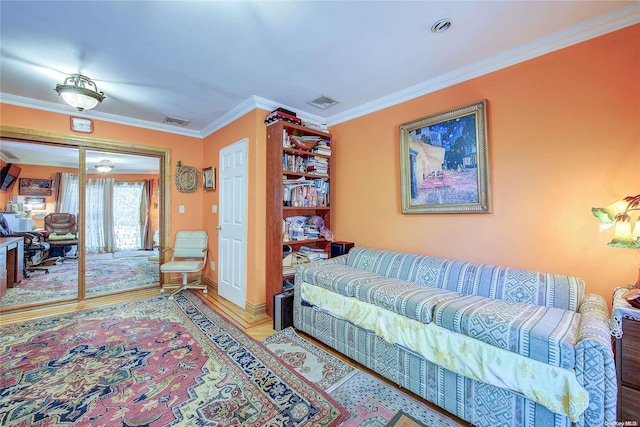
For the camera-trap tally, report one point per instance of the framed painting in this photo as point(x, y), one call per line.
point(209, 178)
point(34, 187)
point(36, 203)
point(444, 162)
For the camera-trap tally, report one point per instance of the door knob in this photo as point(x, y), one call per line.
point(219, 227)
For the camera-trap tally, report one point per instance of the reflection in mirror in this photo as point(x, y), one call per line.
point(121, 222)
point(39, 268)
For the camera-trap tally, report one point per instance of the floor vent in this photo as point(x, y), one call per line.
point(176, 122)
point(322, 101)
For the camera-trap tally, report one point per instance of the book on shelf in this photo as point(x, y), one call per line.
point(313, 254)
point(284, 110)
point(322, 148)
point(322, 127)
point(307, 193)
point(288, 271)
point(276, 116)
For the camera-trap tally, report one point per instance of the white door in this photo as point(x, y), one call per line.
point(232, 226)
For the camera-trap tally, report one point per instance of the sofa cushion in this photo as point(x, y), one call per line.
point(408, 299)
point(509, 284)
point(545, 334)
point(336, 277)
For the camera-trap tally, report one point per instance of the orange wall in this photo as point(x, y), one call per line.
point(183, 148)
point(564, 136)
point(250, 126)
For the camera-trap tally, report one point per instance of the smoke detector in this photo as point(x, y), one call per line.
point(176, 121)
point(322, 101)
point(441, 25)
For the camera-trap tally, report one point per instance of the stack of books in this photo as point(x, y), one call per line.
point(282, 114)
point(313, 254)
point(322, 148)
point(317, 166)
point(317, 126)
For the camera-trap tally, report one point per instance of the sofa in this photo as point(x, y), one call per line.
point(494, 345)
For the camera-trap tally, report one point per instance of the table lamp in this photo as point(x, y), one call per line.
point(624, 218)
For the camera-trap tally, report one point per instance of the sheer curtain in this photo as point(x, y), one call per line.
point(145, 215)
point(127, 202)
point(104, 231)
point(99, 215)
point(67, 198)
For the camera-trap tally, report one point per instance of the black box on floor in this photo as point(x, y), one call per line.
point(283, 310)
point(340, 248)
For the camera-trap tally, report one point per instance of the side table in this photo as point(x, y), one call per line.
point(625, 327)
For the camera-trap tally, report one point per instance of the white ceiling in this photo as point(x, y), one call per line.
point(210, 61)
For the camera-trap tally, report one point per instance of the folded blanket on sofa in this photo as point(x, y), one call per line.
point(554, 387)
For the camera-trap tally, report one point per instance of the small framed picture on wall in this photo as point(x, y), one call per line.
point(209, 178)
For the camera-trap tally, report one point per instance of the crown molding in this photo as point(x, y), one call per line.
point(6, 98)
point(619, 19)
point(250, 104)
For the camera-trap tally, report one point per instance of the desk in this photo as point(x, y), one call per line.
point(11, 262)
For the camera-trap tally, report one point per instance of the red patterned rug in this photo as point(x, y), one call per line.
point(369, 401)
point(151, 362)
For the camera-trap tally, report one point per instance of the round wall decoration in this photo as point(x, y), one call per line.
point(186, 178)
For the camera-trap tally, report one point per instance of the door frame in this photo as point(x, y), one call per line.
point(83, 144)
point(244, 143)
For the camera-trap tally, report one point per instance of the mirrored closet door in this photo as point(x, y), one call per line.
point(116, 193)
point(42, 182)
point(121, 222)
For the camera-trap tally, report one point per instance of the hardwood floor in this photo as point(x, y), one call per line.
point(258, 329)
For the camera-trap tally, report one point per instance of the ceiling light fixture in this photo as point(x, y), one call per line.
point(104, 166)
point(80, 92)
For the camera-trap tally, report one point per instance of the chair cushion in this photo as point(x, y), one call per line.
point(54, 236)
point(182, 266)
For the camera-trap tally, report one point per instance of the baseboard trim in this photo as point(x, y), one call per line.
point(255, 311)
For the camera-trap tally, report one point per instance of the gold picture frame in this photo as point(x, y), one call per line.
point(444, 164)
point(209, 178)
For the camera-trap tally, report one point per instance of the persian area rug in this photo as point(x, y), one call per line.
point(150, 362)
point(102, 276)
point(370, 402)
point(316, 365)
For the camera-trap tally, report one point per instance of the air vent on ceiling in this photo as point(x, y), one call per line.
point(441, 25)
point(322, 101)
point(176, 122)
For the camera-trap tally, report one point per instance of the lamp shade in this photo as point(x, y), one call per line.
point(80, 92)
point(622, 235)
point(104, 166)
point(608, 214)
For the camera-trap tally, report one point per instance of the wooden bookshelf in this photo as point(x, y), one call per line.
point(276, 210)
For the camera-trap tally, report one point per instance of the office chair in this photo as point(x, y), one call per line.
point(62, 231)
point(36, 249)
point(189, 256)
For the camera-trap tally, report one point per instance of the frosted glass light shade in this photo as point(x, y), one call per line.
point(80, 92)
point(622, 235)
